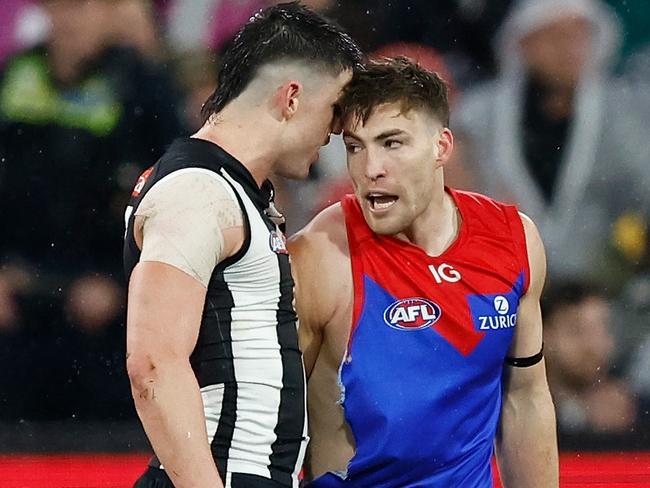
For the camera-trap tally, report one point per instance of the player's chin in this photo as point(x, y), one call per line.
point(384, 224)
point(304, 174)
point(307, 164)
point(297, 172)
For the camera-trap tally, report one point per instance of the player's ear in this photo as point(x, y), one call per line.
point(288, 98)
point(443, 146)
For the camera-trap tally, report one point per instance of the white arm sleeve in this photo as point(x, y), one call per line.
point(183, 217)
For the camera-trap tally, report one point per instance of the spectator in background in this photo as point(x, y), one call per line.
point(461, 30)
point(579, 345)
point(200, 24)
point(196, 25)
point(197, 77)
point(135, 26)
point(638, 377)
point(79, 119)
point(557, 135)
point(23, 23)
point(634, 15)
point(13, 357)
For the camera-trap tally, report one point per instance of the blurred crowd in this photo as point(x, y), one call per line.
point(550, 100)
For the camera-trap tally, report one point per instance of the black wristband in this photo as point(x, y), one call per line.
point(526, 362)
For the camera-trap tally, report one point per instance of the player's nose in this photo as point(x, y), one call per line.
point(374, 167)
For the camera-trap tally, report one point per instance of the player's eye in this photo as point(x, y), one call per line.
point(352, 148)
point(392, 143)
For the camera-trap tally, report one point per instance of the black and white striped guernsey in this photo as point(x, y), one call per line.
point(246, 360)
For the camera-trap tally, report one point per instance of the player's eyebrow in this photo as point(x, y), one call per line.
point(389, 133)
point(349, 133)
point(384, 135)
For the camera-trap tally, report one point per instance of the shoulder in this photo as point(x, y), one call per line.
point(485, 209)
point(190, 187)
point(477, 199)
point(320, 265)
point(536, 253)
point(326, 233)
point(320, 256)
point(533, 237)
point(190, 202)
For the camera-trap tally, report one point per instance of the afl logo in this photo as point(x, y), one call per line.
point(277, 242)
point(412, 314)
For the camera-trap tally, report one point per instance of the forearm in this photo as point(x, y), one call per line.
point(527, 445)
point(168, 402)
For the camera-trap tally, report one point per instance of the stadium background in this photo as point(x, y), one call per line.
point(91, 92)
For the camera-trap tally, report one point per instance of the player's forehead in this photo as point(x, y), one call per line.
point(386, 117)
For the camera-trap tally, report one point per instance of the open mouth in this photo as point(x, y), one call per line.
point(380, 201)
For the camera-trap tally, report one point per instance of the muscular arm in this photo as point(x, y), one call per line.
point(526, 443)
point(164, 315)
point(166, 298)
point(317, 252)
point(304, 266)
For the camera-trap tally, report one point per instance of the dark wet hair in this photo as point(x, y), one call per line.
point(394, 80)
point(284, 32)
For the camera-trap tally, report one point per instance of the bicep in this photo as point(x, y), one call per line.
point(318, 263)
point(309, 324)
point(527, 340)
point(164, 312)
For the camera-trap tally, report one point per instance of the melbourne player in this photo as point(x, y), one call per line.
point(419, 310)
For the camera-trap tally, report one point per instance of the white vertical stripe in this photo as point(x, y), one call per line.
point(212, 396)
point(228, 481)
point(305, 437)
point(255, 289)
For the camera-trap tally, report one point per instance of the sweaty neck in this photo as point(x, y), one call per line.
point(247, 137)
point(438, 226)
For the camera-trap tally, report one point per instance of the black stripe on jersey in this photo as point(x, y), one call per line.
point(212, 358)
point(247, 228)
point(216, 367)
point(291, 414)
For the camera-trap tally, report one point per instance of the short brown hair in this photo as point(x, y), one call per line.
point(394, 80)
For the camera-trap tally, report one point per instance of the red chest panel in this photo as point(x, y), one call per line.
point(461, 293)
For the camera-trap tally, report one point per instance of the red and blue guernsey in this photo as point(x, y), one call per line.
point(422, 377)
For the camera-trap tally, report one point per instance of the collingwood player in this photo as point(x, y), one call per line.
point(212, 347)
